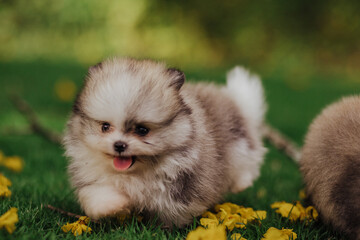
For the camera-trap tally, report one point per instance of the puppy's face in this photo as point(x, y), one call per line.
point(131, 113)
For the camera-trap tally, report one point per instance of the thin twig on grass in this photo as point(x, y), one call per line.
point(67, 213)
point(15, 132)
point(281, 142)
point(24, 108)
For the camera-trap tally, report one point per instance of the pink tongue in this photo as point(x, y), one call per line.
point(122, 163)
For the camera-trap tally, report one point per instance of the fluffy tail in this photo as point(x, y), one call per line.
point(246, 89)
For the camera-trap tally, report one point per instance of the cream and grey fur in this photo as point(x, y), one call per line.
point(331, 165)
point(203, 140)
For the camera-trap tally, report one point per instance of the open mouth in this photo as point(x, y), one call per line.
point(122, 163)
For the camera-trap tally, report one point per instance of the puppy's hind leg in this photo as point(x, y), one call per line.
point(244, 165)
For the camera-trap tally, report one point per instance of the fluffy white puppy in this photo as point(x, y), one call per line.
point(139, 139)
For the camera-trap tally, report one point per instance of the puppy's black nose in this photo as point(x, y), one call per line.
point(120, 146)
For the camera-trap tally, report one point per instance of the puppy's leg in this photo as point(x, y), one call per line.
point(244, 165)
point(101, 201)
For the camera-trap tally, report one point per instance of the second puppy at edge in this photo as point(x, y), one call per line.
point(139, 139)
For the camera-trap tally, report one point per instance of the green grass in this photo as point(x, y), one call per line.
point(44, 181)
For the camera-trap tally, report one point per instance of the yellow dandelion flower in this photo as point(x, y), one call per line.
point(295, 211)
point(287, 210)
point(209, 223)
point(311, 213)
point(210, 220)
point(230, 208)
point(250, 214)
point(210, 215)
point(241, 223)
point(222, 214)
point(302, 194)
point(277, 234)
point(237, 236)
point(13, 163)
point(4, 191)
point(84, 220)
point(65, 89)
point(4, 181)
point(200, 233)
point(231, 216)
point(78, 227)
point(9, 219)
point(228, 220)
point(232, 221)
point(222, 218)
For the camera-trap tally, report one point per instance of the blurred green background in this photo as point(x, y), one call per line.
point(297, 38)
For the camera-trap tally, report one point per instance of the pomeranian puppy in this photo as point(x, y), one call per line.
point(139, 139)
point(330, 165)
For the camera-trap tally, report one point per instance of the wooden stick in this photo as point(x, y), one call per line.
point(67, 213)
point(19, 131)
point(24, 108)
point(281, 142)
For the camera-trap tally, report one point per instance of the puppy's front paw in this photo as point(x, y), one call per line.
point(103, 201)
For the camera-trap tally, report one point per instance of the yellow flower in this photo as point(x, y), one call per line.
point(78, 227)
point(237, 236)
point(295, 212)
point(250, 214)
point(288, 210)
point(231, 215)
point(241, 223)
point(228, 220)
point(4, 181)
point(209, 223)
point(65, 89)
point(230, 208)
point(9, 219)
point(200, 233)
point(222, 218)
point(210, 215)
point(4, 191)
point(302, 194)
point(14, 163)
point(209, 220)
point(276, 234)
point(84, 220)
point(311, 213)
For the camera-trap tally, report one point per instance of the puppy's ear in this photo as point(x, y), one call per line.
point(95, 68)
point(177, 78)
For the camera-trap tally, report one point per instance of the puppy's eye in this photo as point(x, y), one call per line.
point(141, 130)
point(105, 127)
